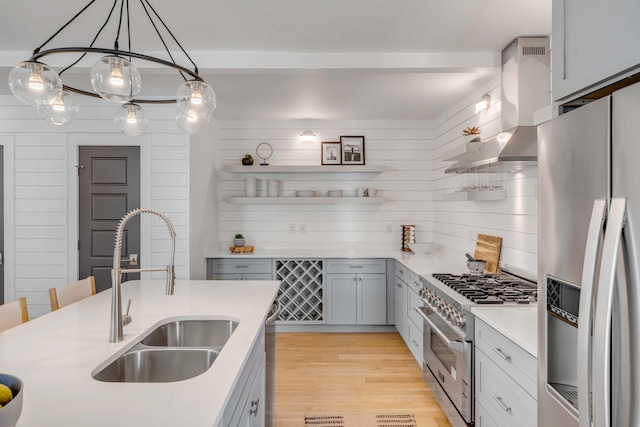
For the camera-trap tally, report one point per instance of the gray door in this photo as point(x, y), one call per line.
point(109, 187)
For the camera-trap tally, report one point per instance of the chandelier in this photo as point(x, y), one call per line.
point(113, 77)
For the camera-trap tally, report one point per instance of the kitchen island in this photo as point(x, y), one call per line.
point(55, 355)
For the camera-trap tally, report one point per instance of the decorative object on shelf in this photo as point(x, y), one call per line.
point(241, 249)
point(352, 150)
point(113, 77)
point(471, 134)
point(408, 237)
point(247, 160)
point(331, 153)
point(238, 240)
point(483, 104)
point(264, 151)
point(307, 136)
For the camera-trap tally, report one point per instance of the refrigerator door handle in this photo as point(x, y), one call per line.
point(602, 321)
point(585, 315)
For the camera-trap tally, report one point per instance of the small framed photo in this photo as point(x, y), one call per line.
point(331, 153)
point(352, 150)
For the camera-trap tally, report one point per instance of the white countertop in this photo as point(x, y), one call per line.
point(418, 263)
point(519, 324)
point(55, 354)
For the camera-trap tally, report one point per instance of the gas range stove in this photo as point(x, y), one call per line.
point(451, 296)
point(491, 288)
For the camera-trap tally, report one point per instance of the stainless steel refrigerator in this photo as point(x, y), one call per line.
point(589, 302)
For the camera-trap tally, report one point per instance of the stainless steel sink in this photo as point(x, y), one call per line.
point(192, 333)
point(174, 351)
point(157, 365)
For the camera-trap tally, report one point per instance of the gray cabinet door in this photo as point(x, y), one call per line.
point(401, 307)
point(341, 299)
point(592, 41)
point(109, 187)
point(371, 306)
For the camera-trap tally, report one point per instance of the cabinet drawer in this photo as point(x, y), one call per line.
point(413, 302)
point(413, 280)
point(415, 342)
point(483, 419)
point(225, 265)
point(242, 276)
point(357, 266)
point(501, 396)
point(512, 359)
point(402, 272)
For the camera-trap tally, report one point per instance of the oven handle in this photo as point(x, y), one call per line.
point(453, 345)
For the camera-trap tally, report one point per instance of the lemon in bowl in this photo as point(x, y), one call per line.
point(11, 392)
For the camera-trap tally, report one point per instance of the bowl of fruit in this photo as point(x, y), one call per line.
point(11, 392)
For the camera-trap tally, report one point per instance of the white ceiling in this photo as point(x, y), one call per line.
point(304, 59)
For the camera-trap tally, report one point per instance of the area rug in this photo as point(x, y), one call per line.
point(360, 419)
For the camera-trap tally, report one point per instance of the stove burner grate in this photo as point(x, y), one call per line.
point(491, 288)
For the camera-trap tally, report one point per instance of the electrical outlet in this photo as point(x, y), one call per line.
point(292, 229)
point(302, 228)
point(388, 228)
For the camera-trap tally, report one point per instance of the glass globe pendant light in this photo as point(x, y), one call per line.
point(196, 97)
point(131, 119)
point(61, 111)
point(115, 79)
point(190, 121)
point(35, 83)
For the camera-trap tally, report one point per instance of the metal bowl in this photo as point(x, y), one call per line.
point(477, 266)
point(10, 413)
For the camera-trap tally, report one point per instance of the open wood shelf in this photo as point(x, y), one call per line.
point(477, 195)
point(306, 169)
point(305, 200)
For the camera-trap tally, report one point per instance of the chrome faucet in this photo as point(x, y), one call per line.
point(116, 335)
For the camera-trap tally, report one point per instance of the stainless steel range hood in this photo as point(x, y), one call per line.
point(525, 88)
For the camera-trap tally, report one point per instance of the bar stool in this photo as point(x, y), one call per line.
point(13, 314)
point(68, 294)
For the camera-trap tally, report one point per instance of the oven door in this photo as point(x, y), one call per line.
point(449, 358)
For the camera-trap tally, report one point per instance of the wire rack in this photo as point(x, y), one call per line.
point(301, 290)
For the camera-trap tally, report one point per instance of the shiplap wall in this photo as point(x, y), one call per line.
point(43, 189)
point(403, 146)
point(456, 224)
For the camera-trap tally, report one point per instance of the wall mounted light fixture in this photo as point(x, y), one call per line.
point(307, 136)
point(483, 104)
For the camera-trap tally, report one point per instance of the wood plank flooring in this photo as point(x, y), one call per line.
point(344, 372)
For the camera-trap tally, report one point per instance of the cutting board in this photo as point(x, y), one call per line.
point(241, 249)
point(488, 249)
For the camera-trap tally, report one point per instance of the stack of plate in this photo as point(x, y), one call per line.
point(250, 187)
point(272, 188)
point(335, 193)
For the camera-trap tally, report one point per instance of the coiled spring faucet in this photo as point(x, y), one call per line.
point(116, 334)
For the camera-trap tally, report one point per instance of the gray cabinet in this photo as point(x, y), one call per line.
point(593, 42)
point(408, 321)
point(356, 291)
point(357, 299)
point(506, 380)
point(402, 320)
point(239, 269)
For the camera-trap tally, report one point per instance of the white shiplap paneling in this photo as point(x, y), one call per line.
point(405, 147)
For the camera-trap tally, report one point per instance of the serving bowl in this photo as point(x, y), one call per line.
point(10, 413)
point(477, 266)
point(422, 248)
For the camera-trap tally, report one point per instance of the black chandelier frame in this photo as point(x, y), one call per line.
point(124, 11)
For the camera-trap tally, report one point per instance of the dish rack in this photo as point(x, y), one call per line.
point(408, 236)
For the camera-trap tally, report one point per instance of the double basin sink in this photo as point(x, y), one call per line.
point(173, 351)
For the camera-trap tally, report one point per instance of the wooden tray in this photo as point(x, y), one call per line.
point(488, 249)
point(241, 249)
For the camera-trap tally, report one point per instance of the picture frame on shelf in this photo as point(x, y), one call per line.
point(352, 150)
point(331, 153)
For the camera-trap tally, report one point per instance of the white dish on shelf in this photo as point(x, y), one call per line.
point(335, 193)
point(305, 193)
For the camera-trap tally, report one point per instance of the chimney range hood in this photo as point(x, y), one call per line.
point(524, 89)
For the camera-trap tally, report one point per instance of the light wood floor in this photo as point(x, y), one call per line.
point(322, 372)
